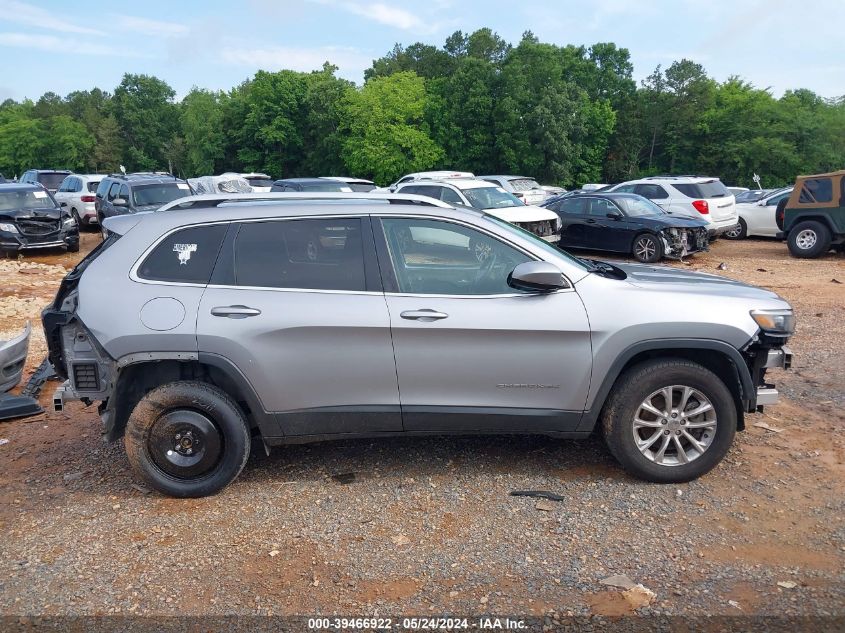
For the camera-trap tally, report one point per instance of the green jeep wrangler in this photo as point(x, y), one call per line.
point(812, 219)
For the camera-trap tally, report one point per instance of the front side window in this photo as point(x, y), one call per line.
point(574, 206)
point(599, 207)
point(311, 254)
point(775, 200)
point(438, 257)
point(625, 189)
point(816, 190)
point(186, 256)
point(450, 196)
point(102, 188)
point(113, 191)
point(637, 206)
point(124, 192)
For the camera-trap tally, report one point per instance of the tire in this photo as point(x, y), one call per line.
point(189, 415)
point(73, 247)
point(780, 212)
point(76, 217)
point(647, 248)
point(740, 232)
point(809, 239)
point(712, 429)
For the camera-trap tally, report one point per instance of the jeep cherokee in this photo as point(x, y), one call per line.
point(305, 317)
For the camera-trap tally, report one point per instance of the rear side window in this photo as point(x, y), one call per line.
point(816, 190)
point(318, 254)
point(93, 186)
point(186, 256)
point(709, 189)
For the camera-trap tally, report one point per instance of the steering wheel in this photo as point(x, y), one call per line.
point(486, 267)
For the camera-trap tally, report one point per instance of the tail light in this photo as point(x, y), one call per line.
point(88, 198)
point(701, 206)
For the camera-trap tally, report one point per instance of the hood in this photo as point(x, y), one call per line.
point(52, 213)
point(524, 213)
point(666, 278)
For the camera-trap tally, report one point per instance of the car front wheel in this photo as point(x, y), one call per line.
point(647, 248)
point(809, 239)
point(669, 420)
point(187, 439)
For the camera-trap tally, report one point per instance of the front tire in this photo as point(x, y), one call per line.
point(809, 240)
point(739, 232)
point(669, 420)
point(647, 248)
point(187, 439)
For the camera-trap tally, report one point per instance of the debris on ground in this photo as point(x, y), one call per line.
point(787, 584)
point(618, 580)
point(540, 494)
point(545, 506)
point(639, 596)
point(763, 425)
point(722, 266)
point(344, 478)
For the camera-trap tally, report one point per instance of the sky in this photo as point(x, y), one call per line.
point(61, 46)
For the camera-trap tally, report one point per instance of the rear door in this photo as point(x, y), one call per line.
point(296, 304)
point(573, 213)
point(472, 353)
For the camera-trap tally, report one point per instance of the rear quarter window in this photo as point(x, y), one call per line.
point(186, 256)
point(816, 190)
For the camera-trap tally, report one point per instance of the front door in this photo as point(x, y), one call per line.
point(297, 306)
point(472, 353)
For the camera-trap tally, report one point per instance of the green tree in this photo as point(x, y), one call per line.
point(202, 131)
point(148, 118)
point(385, 134)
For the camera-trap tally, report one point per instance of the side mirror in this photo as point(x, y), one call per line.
point(119, 202)
point(614, 215)
point(537, 276)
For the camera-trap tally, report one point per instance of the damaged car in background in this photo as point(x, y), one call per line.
point(627, 223)
point(30, 218)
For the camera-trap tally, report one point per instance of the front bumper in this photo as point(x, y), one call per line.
point(21, 242)
point(678, 243)
point(12, 359)
point(761, 360)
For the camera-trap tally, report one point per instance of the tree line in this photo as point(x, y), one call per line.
point(565, 115)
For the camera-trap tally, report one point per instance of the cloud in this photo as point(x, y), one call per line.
point(63, 45)
point(22, 13)
point(378, 12)
point(149, 27)
point(349, 60)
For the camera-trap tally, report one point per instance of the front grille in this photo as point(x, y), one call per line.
point(85, 377)
point(543, 228)
point(38, 227)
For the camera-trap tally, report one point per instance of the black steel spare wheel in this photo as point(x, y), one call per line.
point(187, 439)
point(185, 444)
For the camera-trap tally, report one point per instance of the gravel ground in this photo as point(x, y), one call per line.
point(428, 526)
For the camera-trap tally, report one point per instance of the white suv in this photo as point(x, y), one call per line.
point(484, 196)
point(76, 194)
point(424, 175)
point(694, 196)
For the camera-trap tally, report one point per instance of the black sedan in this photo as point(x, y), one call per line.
point(31, 219)
point(311, 184)
point(627, 223)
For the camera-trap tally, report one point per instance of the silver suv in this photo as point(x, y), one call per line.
point(304, 317)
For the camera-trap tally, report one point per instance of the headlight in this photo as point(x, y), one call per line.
point(69, 221)
point(775, 321)
point(9, 228)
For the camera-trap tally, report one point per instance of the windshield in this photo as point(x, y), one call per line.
point(539, 242)
point(14, 200)
point(524, 184)
point(144, 195)
point(51, 181)
point(639, 206)
point(491, 198)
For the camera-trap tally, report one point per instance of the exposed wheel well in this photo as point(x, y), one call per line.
point(138, 379)
point(713, 360)
point(821, 219)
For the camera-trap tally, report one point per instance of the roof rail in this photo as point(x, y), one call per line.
point(214, 200)
point(666, 176)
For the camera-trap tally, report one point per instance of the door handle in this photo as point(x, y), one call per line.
point(425, 314)
point(590, 221)
point(235, 312)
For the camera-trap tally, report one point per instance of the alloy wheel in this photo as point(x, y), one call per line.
point(806, 239)
point(674, 425)
point(645, 248)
